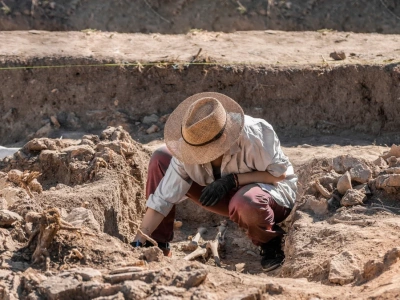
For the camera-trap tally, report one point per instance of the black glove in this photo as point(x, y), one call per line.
point(215, 191)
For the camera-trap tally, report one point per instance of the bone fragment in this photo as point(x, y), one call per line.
point(324, 192)
point(214, 244)
point(126, 270)
point(198, 252)
point(194, 243)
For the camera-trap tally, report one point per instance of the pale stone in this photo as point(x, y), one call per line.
point(153, 254)
point(363, 188)
point(394, 151)
point(153, 128)
point(380, 162)
point(344, 163)
point(8, 217)
point(392, 180)
point(343, 268)
point(344, 183)
point(86, 273)
point(150, 119)
point(81, 216)
point(3, 203)
point(361, 173)
point(59, 288)
point(352, 197)
point(318, 206)
point(136, 289)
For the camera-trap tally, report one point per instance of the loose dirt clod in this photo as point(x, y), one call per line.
point(338, 55)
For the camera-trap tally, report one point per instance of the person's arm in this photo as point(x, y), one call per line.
point(150, 222)
point(259, 177)
point(170, 190)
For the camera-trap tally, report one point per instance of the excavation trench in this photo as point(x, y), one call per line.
point(350, 100)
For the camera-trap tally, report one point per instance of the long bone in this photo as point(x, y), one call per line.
point(198, 252)
point(218, 240)
point(194, 243)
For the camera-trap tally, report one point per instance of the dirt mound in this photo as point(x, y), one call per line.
point(105, 173)
point(183, 16)
point(348, 205)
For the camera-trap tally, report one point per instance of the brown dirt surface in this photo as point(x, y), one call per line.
point(287, 78)
point(181, 16)
point(332, 116)
point(328, 246)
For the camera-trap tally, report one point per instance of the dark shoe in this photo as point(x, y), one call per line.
point(272, 255)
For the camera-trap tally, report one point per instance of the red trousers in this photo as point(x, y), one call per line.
point(252, 208)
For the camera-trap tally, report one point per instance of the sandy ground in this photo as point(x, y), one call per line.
point(251, 47)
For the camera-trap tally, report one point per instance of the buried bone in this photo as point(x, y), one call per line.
point(210, 246)
point(217, 242)
point(194, 243)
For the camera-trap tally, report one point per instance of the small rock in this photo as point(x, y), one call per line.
point(363, 188)
point(273, 288)
point(384, 181)
point(360, 173)
point(393, 162)
point(248, 294)
point(153, 254)
point(190, 278)
point(240, 267)
point(55, 287)
point(150, 119)
point(3, 203)
point(318, 206)
point(8, 217)
point(136, 289)
point(86, 273)
point(380, 162)
point(343, 268)
point(344, 183)
point(394, 151)
point(168, 291)
point(44, 131)
point(353, 197)
point(118, 296)
point(338, 55)
point(35, 186)
point(81, 216)
point(372, 268)
point(153, 128)
point(55, 122)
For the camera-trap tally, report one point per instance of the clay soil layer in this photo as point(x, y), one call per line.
point(85, 81)
point(182, 16)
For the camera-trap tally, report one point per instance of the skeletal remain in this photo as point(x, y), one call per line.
point(194, 243)
point(324, 192)
point(218, 241)
point(196, 253)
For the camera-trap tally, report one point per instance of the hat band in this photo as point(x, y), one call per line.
point(219, 134)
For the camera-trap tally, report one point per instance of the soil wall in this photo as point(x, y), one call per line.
point(297, 102)
point(181, 16)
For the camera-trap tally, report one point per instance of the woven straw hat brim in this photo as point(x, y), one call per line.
point(203, 154)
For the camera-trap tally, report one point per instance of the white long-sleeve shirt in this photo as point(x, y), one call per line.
point(257, 149)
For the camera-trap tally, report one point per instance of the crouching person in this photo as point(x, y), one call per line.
point(226, 162)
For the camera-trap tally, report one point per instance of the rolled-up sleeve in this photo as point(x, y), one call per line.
point(265, 153)
point(171, 189)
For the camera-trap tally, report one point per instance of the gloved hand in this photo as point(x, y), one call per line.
point(215, 191)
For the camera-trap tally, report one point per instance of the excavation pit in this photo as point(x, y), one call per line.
point(70, 87)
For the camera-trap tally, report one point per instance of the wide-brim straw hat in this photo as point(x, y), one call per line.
point(203, 127)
